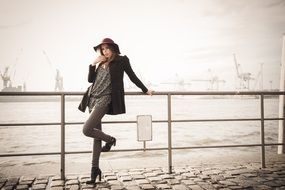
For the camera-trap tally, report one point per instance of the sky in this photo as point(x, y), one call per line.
point(167, 41)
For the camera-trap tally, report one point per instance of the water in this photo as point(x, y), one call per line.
point(27, 139)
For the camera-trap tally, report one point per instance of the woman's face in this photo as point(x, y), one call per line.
point(106, 50)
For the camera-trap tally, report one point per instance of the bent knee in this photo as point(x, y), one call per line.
point(85, 131)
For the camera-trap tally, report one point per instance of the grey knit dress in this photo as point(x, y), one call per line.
point(101, 90)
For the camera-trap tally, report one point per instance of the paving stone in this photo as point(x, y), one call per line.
point(114, 182)
point(72, 187)
point(151, 174)
point(42, 181)
point(280, 182)
point(263, 187)
point(228, 176)
point(117, 187)
point(10, 187)
point(163, 186)
point(158, 172)
point(132, 188)
point(227, 183)
point(179, 187)
point(147, 186)
point(212, 172)
point(85, 186)
point(195, 187)
point(57, 183)
point(120, 174)
point(188, 182)
point(236, 187)
point(180, 170)
point(263, 171)
point(154, 179)
point(57, 188)
point(216, 178)
point(56, 178)
point(140, 176)
point(250, 175)
point(259, 179)
point(138, 170)
point(142, 181)
point(166, 176)
point(25, 178)
point(172, 181)
point(110, 178)
point(272, 184)
point(129, 183)
point(125, 178)
point(72, 182)
point(39, 186)
point(204, 177)
point(189, 175)
point(71, 177)
point(22, 187)
point(29, 183)
point(196, 180)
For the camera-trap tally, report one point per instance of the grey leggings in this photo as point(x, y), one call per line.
point(93, 128)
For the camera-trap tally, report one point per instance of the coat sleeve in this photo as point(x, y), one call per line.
point(128, 69)
point(91, 73)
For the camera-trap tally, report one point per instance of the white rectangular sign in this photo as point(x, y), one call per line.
point(144, 127)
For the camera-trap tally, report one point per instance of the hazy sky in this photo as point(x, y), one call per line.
point(166, 40)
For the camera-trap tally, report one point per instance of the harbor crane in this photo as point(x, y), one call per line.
point(58, 77)
point(259, 78)
point(6, 78)
point(244, 78)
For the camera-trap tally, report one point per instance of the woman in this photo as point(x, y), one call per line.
point(106, 96)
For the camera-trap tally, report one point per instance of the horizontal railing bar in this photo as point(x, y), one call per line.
point(30, 154)
point(141, 149)
point(214, 120)
point(154, 121)
point(27, 124)
point(35, 93)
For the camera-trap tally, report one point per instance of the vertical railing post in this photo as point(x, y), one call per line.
point(169, 134)
point(281, 131)
point(262, 131)
point(62, 137)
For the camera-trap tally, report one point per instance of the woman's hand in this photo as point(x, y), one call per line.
point(150, 92)
point(99, 59)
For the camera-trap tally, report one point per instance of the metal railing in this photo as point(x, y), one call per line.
point(169, 121)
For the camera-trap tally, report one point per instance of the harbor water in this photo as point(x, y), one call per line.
point(46, 138)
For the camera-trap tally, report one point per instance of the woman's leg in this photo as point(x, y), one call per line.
point(93, 128)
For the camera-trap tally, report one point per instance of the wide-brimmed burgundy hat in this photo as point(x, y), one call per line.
point(108, 41)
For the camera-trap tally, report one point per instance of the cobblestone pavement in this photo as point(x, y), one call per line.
point(246, 176)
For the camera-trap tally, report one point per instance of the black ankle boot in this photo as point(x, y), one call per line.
point(108, 145)
point(95, 171)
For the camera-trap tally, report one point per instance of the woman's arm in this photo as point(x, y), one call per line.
point(92, 68)
point(128, 69)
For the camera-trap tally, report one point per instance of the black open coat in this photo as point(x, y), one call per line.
point(117, 67)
